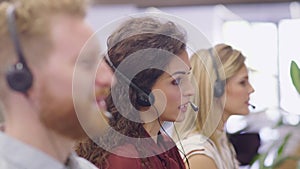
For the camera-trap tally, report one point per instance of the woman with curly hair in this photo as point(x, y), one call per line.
point(151, 64)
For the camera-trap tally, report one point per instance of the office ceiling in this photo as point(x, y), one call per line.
point(162, 3)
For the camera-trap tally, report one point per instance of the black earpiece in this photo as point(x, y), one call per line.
point(18, 77)
point(219, 85)
point(144, 97)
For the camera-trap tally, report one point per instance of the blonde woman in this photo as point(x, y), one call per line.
point(223, 88)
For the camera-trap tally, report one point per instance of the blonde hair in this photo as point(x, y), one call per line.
point(229, 62)
point(33, 24)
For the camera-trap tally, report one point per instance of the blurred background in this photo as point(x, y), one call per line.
point(268, 34)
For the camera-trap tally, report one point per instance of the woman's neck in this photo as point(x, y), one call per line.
point(152, 128)
point(223, 121)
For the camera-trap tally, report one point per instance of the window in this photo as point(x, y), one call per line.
point(289, 49)
point(258, 42)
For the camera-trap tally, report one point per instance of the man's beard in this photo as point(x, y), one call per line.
point(60, 116)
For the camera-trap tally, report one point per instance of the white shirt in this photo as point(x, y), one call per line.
point(15, 154)
point(199, 144)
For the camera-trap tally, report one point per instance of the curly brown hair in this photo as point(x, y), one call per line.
point(133, 38)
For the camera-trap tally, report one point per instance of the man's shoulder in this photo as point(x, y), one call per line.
point(4, 164)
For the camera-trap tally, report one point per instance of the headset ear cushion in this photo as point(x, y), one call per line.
point(19, 79)
point(144, 99)
point(151, 98)
point(219, 88)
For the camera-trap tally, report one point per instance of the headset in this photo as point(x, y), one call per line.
point(144, 97)
point(18, 76)
point(219, 85)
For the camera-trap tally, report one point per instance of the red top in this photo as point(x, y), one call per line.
point(165, 155)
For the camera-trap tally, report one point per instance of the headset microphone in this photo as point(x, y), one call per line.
point(253, 107)
point(194, 107)
point(107, 114)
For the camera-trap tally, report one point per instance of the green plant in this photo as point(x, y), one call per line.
point(295, 75)
point(279, 157)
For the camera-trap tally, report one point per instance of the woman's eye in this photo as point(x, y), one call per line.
point(176, 81)
point(244, 82)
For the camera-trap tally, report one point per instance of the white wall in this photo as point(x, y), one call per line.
point(207, 19)
point(198, 21)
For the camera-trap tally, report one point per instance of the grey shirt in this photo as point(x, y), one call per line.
point(17, 155)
